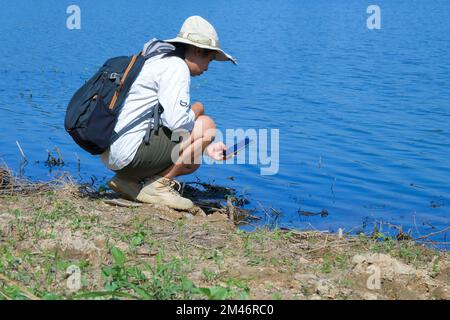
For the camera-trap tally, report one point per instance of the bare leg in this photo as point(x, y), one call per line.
point(192, 149)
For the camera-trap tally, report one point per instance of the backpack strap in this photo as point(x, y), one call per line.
point(131, 125)
point(122, 81)
point(161, 48)
point(155, 124)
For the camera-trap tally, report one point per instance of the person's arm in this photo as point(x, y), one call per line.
point(173, 95)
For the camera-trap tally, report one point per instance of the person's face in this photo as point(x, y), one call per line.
point(197, 60)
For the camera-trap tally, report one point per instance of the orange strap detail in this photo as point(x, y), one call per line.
point(125, 74)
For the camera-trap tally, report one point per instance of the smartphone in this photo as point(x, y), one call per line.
point(236, 148)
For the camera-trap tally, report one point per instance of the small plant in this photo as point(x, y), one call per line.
point(215, 293)
point(327, 264)
point(162, 281)
point(255, 260)
point(276, 296)
point(279, 234)
point(83, 222)
point(233, 289)
point(210, 276)
point(12, 292)
point(385, 244)
point(60, 210)
point(217, 257)
point(341, 262)
point(137, 238)
point(408, 254)
point(179, 225)
point(435, 270)
point(16, 213)
point(64, 208)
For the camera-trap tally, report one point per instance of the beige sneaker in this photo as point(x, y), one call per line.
point(160, 190)
point(127, 189)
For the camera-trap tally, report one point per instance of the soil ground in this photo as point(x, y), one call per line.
point(61, 242)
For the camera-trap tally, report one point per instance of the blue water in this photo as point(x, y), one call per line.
point(363, 114)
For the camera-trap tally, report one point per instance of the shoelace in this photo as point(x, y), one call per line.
point(174, 186)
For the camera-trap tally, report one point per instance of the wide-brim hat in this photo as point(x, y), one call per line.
point(198, 32)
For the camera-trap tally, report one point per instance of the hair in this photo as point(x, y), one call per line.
point(181, 49)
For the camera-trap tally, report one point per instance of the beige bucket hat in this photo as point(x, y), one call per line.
point(198, 32)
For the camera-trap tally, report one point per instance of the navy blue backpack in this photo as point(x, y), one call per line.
point(93, 110)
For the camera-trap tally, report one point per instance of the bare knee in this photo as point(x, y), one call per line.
point(205, 122)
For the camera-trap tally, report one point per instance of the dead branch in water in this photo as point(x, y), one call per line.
point(21, 151)
point(433, 234)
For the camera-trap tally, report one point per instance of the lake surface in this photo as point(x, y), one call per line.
point(364, 115)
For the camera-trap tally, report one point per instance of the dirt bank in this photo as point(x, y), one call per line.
point(151, 252)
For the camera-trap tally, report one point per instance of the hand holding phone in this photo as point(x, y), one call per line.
point(215, 150)
point(230, 152)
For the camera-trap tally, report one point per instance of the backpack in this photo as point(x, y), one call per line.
point(93, 110)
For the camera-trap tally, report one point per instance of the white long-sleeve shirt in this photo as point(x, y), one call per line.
point(166, 80)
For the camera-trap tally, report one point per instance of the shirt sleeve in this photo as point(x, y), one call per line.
point(173, 95)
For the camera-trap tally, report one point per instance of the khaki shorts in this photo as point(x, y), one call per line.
point(150, 159)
